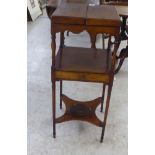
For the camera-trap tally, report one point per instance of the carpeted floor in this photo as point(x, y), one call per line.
point(74, 137)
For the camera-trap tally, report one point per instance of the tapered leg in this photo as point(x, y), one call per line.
point(61, 46)
point(60, 94)
point(53, 46)
point(62, 39)
point(53, 107)
point(106, 111)
point(93, 40)
point(103, 94)
point(109, 44)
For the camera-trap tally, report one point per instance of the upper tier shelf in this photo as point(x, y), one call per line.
point(87, 60)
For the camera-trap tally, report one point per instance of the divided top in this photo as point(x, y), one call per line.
point(83, 14)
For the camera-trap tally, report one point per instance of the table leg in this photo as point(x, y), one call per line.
point(60, 94)
point(61, 46)
point(106, 111)
point(109, 44)
point(93, 40)
point(62, 39)
point(53, 108)
point(103, 41)
point(103, 94)
point(53, 46)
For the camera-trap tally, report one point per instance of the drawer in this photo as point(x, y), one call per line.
point(87, 77)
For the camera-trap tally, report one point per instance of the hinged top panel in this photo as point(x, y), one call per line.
point(102, 15)
point(70, 13)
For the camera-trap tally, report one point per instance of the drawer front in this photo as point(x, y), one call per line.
point(87, 77)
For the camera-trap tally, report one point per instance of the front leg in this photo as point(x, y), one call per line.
point(53, 47)
point(93, 40)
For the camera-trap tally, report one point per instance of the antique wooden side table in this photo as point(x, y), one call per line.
point(83, 64)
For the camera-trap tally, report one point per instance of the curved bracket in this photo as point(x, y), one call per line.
point(83, 111)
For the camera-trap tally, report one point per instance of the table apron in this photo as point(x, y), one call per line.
point(80, 28)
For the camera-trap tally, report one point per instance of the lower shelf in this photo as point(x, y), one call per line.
point(83, 111)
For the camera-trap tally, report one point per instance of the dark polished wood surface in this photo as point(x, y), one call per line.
point(70, 13)
point(102, 15)
point(86, 60)
point(52, 5)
